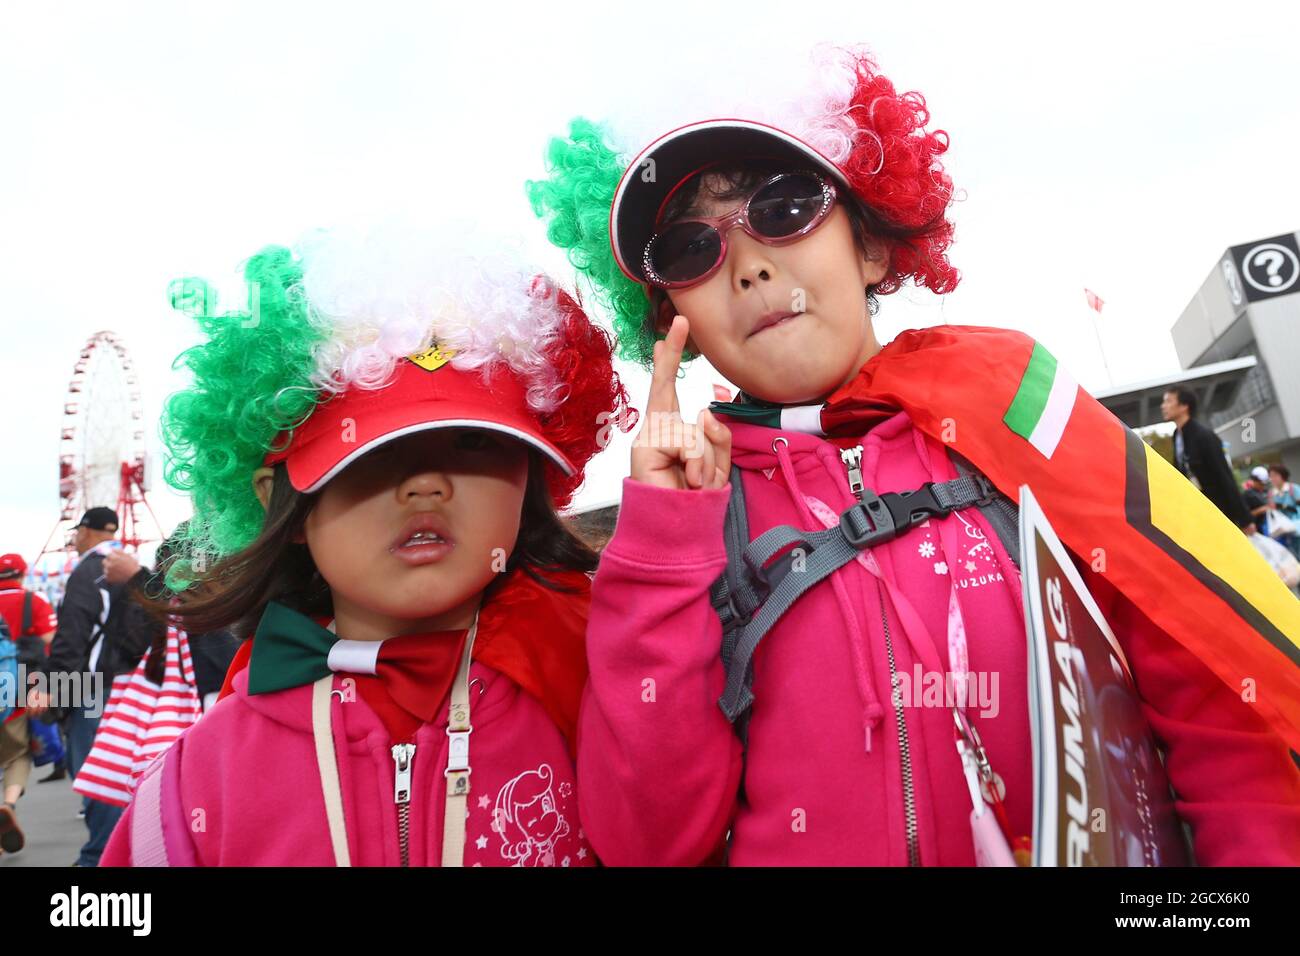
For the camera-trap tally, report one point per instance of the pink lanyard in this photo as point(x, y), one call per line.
point(990, 831)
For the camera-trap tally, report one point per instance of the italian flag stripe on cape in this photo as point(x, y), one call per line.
point(1002, 401)
point(1043, 402)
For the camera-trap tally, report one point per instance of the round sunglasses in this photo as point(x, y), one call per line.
point(782, 209)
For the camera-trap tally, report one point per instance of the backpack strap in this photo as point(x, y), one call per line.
point(750, 596)
point(728, 593)
point(27, 613)
point(1001, 512)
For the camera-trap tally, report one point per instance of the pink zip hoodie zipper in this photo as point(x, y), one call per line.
point(852, 458)
point(403, 757)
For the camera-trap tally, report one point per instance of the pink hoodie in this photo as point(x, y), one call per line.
point(250, 791)
point(825, 782)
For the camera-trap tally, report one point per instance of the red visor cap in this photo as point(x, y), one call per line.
point(358, 421)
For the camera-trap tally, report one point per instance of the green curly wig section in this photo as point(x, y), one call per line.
point(250, 383)
point(575, 198)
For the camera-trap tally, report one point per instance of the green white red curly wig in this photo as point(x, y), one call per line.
point(849, 112)
point(337, 312)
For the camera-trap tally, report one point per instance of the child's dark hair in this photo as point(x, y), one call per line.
point(729, 182)
point(234, 591)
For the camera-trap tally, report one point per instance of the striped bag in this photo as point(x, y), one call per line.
point(142, 719)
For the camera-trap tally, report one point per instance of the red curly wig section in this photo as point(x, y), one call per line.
point(894, 167)
point(596, 400)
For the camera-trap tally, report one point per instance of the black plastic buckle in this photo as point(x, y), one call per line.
point(870, 521)
point(910, 508)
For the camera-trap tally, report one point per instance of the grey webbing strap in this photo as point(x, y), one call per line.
point(1001, 514)
point(958, 493)
point(746, 584)
point(730, 583)
point(751, 598)
point(866, 522)
point(774, 540)
point(832, 552)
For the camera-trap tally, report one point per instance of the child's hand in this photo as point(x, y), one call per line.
point(668, 452)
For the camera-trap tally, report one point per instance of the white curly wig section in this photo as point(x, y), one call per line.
point(809, 99)
point(819, 111)
point(391, 292)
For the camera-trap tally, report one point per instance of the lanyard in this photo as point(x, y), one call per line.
point(991, 831)
point(457, 772)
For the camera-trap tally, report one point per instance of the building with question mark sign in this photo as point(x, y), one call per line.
point(1238, 341)
point(1268, 268)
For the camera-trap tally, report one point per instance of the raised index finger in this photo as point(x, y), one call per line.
point(667, 360)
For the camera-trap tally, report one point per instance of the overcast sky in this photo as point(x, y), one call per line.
point(1119, 146)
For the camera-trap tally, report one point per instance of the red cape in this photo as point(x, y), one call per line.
point(1109, 496)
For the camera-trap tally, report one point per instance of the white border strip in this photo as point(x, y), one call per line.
point(1056, 413)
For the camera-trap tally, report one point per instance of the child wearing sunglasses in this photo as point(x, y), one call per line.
point(376, 452)
point(724, 715)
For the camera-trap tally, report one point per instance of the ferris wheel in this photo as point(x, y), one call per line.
point(102, 456)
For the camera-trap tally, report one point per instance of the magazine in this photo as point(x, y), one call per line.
point(1101, 797)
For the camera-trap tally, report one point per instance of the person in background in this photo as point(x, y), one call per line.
point(32, 624)
point(211, 652)
point(1279, 558)
point(1286, 499)
point(1255, 495)
point(90, 647)
point(1198, 454)
point(26, 612)
point(15, 761)
point(152, 705)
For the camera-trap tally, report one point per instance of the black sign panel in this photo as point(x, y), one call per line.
point(1268, 267)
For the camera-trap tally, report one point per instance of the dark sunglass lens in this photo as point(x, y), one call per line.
point(785, 206)
point(685, 251)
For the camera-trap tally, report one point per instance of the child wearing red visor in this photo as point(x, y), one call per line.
point(760, 668)
point(377, 450)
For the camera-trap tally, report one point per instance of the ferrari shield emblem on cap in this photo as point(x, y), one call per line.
point(432, 358)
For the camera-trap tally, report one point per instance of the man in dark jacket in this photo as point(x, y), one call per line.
point(91, 646)
point(1198, 453)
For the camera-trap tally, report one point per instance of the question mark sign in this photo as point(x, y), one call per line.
point(1272, 261)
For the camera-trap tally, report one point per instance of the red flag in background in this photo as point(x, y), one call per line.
point(1094, 300)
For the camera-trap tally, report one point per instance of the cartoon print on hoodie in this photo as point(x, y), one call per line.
point(528, 819)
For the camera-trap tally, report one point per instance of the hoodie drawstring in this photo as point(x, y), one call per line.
point(872, 709)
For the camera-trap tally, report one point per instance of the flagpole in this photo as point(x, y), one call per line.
point(1095, 304)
